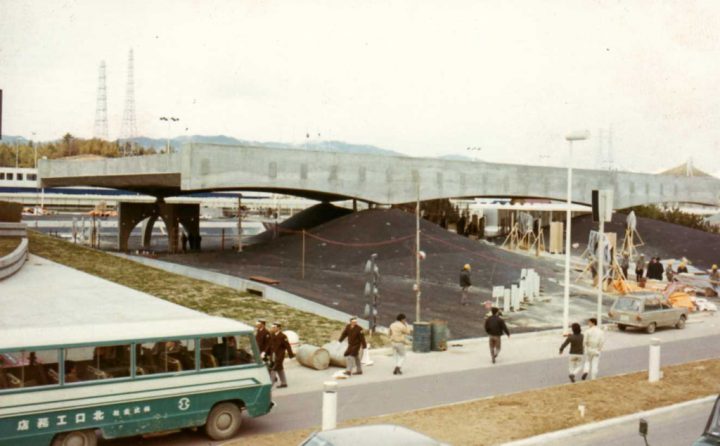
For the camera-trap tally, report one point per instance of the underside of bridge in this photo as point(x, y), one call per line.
point(173, 215)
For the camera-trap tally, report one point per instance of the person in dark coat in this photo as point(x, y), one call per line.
point(495, 327)
point(262, 337)
point(577, 350)
point(277, 346)
point(465, 284)
point(356, 340)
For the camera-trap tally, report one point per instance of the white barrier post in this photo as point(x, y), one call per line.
point(654, 365)
point(506, 300)
point(497, 293)
point(366, 357)
point(329, 408)
point(523, 289)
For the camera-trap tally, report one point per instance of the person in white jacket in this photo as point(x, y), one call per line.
point(398, 333)
point(593, 343)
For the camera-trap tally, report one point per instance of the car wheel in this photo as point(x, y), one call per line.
point(681, 322)
point(75, 438)
point(223, 422)
point(651, 328)
point(622, 327)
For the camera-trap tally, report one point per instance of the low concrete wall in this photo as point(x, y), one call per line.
point(13, 229)
point(12, 262)
point(266, 291)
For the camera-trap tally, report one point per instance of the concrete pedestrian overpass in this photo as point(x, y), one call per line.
point(331, 176)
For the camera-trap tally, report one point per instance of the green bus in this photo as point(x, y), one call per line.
point(123, 368)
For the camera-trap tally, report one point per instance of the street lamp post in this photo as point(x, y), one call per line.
point(575, 136)
point(168, 120)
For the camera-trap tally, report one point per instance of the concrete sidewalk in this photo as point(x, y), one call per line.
point(473, 354)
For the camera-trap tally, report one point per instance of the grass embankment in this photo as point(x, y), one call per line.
point(8, 245)
point(196, 294)
point(512, 417)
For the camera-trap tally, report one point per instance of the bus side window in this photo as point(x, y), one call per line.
point(227, 351)
point(245, 351)
point(28, 369)
point(169, 356)
point(101, 362)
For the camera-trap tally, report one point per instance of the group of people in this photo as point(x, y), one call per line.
point(398, 332)
point(273, 344)
point(585, 350)
point(655, 269)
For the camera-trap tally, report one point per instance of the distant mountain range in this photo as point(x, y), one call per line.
point(9, 139)
point(323, 146)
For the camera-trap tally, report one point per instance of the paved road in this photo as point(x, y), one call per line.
point(676, 428)
point(303, 410)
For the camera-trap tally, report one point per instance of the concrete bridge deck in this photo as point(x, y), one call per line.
point(381, 179)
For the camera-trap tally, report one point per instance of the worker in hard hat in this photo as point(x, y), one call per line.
point(465, 284)
point(682, 268)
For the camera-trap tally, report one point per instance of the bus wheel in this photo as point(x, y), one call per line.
point(76, 438)
point(223, 422)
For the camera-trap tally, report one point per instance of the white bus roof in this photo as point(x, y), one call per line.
point(49, 304)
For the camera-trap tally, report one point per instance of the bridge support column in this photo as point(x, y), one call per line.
point(147, 229)
point(173, 215)
point(129, 215)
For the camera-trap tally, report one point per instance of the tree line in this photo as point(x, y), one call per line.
point(24, 153)
point(674, 215)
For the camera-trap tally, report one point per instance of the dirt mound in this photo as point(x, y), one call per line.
point(666, 240)
point(306, 219)
point(336, 252)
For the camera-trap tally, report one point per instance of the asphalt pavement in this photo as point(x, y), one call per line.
point(303, 410)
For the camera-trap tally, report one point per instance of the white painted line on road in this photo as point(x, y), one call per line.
point(591, 427)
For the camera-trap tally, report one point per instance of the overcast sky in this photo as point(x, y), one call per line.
point(425, 78)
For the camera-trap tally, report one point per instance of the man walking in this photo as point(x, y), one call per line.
point(495, 327)
point(575, 341)
point(262, 336)
point(464, 284)
point(277, 346)
point(356, 340)
point(398, 333)
point(593, 343)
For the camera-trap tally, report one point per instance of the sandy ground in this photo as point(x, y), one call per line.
point(510, 417)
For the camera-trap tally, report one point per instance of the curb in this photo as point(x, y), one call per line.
point(591, 427)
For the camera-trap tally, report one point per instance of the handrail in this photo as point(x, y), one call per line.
point(11, 263)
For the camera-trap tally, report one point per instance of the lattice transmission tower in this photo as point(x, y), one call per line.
point(129, 125)
point(101, 121)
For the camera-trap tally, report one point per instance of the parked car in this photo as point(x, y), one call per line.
point(647, 312)
point(711, 434)
point(373, 434)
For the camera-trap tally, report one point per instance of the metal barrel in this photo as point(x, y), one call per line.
point(422, 335)
point(336, 351)
point(314, 357)
point(438, 341)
